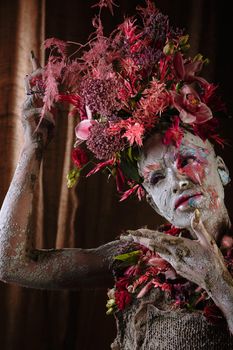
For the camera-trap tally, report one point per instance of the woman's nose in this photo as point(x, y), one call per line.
point(180, 182)
point(181, 185)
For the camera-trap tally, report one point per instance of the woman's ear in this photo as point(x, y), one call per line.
point(223, 171)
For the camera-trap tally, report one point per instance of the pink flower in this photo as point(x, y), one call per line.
point(153, 103)
point(140, 193)
point(82, 130)
point(130, 30)
point(145, 290)
point(159, 263)
point(134, 133)
point(189, 104)
point(174, 134)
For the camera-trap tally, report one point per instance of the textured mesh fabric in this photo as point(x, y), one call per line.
point(146, 327)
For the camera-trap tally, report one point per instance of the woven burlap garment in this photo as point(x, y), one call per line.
point(145, 326)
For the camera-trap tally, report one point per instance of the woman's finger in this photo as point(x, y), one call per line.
point(197, 225)
point(35, 62)
point(27, 85)
point(202, 234)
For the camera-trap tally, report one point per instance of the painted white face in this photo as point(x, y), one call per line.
point(182, 179)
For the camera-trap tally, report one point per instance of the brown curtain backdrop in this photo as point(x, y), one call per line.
point(89, 215)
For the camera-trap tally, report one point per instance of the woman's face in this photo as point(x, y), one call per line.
point(178, 180)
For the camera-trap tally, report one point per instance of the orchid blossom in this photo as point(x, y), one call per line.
point(186, 70)
point(191, 108)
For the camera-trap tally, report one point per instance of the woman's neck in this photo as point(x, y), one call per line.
point(218, 224)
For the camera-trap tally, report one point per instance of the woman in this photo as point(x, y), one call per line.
point(178, 179)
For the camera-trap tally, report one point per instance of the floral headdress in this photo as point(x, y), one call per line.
point(125, 86)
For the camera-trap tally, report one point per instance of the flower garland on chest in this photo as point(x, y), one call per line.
point(138, 272)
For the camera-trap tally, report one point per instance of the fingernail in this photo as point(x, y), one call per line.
point(197, 215)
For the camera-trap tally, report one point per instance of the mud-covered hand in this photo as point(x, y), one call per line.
point(38, 128)
point(199, 261)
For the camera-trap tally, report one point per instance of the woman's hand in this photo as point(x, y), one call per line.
point(199, 261)
point(38, 128)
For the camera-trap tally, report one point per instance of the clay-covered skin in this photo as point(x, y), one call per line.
point(179, 180)
point(20, 262)
point(184, 186)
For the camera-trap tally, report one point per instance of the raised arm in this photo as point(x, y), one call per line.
point(19, 262)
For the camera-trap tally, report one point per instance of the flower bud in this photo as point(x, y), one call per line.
point(168, 48)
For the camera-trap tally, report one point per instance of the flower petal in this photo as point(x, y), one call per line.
point(192, 68)
point(187, 117)
point(178, 63)
point(204, 113)
point(82, 129)
point(89, 112)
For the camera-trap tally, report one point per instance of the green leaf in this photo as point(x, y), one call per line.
point(168, 48)
point(183, 40)
point(130, 169)
point(130, 154)
point(129, 258)
point(179, 86)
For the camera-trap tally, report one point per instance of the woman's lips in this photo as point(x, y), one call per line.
point(185, 198)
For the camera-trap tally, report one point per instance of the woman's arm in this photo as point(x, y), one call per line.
point(19, 262)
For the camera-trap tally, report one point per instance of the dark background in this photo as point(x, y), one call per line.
point(49, 320)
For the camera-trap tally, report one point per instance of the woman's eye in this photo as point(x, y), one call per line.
point(156, 177)
point(186, 161)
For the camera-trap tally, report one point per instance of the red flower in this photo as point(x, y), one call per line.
point(122, 283)
point(208, 130)
point(122, 298)
point(79, 157)
point(129, 192)
point(120, 179)
point(100, 166)
point(170, 230)
point(73, 99)
point(132, 271)
point(213, 314)
point(173, 134)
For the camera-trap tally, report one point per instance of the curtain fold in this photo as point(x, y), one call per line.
point(90, 214)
